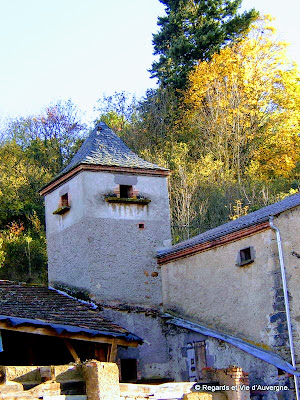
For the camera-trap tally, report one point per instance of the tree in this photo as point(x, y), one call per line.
point(32, 151)
point(245, 107)
point(116, 110)
point(50, 138)
point(23, 253)
point(21, 178)
point(157, 115)
point(194, 30)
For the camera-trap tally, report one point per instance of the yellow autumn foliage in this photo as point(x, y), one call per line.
point(244, 106)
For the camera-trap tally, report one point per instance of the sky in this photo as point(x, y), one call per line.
point(82, 49)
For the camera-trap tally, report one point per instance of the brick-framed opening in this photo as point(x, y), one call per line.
point(64, 200)
point(126, 191)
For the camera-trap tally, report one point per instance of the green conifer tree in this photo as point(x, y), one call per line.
point(193, 30)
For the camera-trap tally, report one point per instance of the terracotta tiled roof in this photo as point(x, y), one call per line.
point(51, 307)
point(254, 218)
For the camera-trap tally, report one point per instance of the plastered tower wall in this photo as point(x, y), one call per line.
point(108, 249)
point(99, 246)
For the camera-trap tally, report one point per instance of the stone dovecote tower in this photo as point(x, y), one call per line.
point(107, 213)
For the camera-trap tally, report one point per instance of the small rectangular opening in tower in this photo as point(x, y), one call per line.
point(64, 200)
point(141, 226)
point(125, 191)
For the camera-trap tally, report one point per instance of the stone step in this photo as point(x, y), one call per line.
point(166, 391)
point(49, 388)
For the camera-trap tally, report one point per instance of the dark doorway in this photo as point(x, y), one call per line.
point(129, 370)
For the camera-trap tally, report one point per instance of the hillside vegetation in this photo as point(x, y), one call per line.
point(226, 124)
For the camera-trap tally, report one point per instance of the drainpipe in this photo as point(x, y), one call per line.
point(286, 301)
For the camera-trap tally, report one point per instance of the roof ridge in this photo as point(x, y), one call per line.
point(90, 304)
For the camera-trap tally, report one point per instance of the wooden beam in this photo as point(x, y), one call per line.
point(67, 335)
point(113, 351)
point(72, 350)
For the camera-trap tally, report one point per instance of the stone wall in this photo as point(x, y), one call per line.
point(244, 301)
point(152, 356)
point(164, 353)
point(289, 226)
point(247, 302)
point(219, 355)
point(210, 288)
point(33, 375)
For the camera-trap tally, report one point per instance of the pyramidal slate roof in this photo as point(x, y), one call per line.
point(246, 221)
point(104, 147)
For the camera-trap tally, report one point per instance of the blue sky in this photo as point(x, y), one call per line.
point(80, 49)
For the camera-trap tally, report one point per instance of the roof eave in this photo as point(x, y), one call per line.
point(174, 254)
point(105, 168)
point(48, 328)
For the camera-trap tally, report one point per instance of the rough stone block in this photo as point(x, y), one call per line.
point(68, 373)
point(280, 316)
point(10, 387)
point(279, 306)
point(47, 373)
point(23, 374)
point(279, 342)
point(102, 380)
point(282, 328)
point(49, 388)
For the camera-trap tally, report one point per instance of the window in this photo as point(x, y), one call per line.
point(64, 205)
point(246, 256)
point(64, 200)
point(141, 226)
point(126, 194)
point(125, 191)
